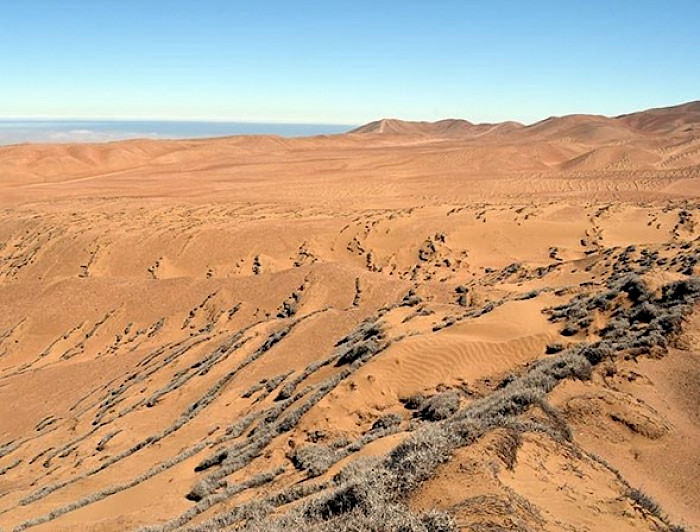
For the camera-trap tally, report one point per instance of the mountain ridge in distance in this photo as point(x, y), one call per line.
point(655, 120)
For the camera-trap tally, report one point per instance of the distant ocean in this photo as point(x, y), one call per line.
point(20, 131)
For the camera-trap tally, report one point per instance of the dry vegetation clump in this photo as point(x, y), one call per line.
point(103, 441)
point(14, 464)
point(291, 304)
point(413, 402)
point(314, 458)
point(440, 406)
point(368, 339)
point(649, 505)
point(411, 299)
point(387, 421)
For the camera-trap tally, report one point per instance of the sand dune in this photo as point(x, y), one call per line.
point(493, 322)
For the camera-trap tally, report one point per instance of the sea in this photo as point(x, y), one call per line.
point(70, 131)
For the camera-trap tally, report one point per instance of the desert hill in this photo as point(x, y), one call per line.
point(435, 328)
point(586, 128)
point(665, 119)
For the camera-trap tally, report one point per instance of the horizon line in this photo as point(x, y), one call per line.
point(169, 119)
point(274, 121)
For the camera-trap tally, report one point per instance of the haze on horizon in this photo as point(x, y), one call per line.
point(345, 62)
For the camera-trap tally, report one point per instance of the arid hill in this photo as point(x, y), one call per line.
point(678, 119)
point(684, 117)
point(413, 326)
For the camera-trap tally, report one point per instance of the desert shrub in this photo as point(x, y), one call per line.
point(101, 444)
point(552, 349)
point(413, 402)
point(584, 323)
point(634, 287)
point(596, 353)
point(367, 329)
point(254, 389)
point(505, 381)
point(289, 307)
point(367, 495)
point(111, 490)
point(601, 301)
point(668, 322)
point(359, 350)
point(644, 313)
point(314, 458)
point(274, 338)
point(684, 292)
point(528, 295)
point(185, 417)
point(440, 406)
point(290, 387)
point(201, 490)
point(573, 310)
point(316, 435)
point(411, 299)
point(286, 391)
point(436, 521)
point(569, 330)
point(415, 458)
point(14, 464)
point(212, 461)
point(339, 443)
point(240, 455)
point(387, 421)
point(646, 502)
point(272, 384)
point(617, 326)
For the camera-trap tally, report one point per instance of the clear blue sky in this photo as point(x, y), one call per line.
point(340, 61)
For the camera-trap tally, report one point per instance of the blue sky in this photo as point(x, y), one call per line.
point(340, 61)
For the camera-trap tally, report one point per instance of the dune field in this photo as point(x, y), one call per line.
point(412, 326)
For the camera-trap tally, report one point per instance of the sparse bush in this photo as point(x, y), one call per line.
point(366, 330)
point(646, 502)
point(313, 458)
point(411, 299)
point(359, 350)
point(414, 402)
point(634, 287)
point(440, 406)
point(436, 521)
point(596, 353)
point(681, 292)
point(569, 330)
point(101, 444)
point(552, 349)
point(387, 421)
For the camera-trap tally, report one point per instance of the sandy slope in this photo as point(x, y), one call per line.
point(155, 293)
